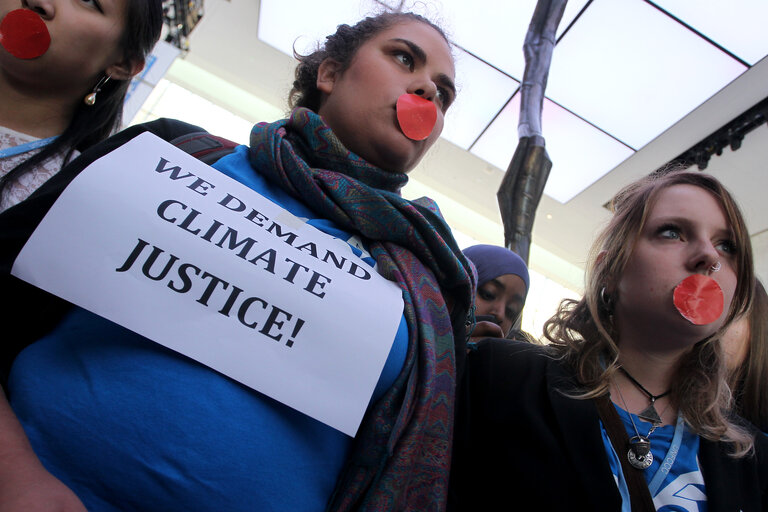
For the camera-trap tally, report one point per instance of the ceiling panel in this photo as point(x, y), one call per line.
point(468, 24)
point(629, 69)
point(736, 25)
point(482, 93)
point(285, 24)
point(580, 153)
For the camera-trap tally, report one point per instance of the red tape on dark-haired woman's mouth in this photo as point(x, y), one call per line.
point(699, 299)
point(24, 35)
point(416, 116)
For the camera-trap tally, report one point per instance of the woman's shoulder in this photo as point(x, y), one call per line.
point(164, 127)
point(507, 364)
point(504, 352)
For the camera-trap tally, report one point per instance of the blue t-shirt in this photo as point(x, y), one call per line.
point(682, 489)
point(128, 424)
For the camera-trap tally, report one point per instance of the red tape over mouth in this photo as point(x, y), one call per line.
point(416, 116)
point(24, 35)
point(699, 299)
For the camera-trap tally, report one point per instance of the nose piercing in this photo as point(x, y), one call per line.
point(716, 267)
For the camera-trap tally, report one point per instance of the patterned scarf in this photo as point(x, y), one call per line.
point(401, 455)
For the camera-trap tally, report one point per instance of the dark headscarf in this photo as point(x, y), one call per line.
point(493, 261)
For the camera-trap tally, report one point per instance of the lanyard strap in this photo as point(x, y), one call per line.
point(27, 146)
point(639, 497)
point(669, 460)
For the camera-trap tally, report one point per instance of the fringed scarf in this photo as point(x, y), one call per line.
point(401, 455)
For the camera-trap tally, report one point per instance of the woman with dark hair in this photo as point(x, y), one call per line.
point(628, 406)
point(65, 69)
point(63, 82)
point(181, 436)
point(746, 351)
point(502, 285)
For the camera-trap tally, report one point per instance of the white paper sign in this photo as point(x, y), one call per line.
point(156, 241)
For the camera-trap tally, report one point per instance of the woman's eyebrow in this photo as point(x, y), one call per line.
point(417, 51)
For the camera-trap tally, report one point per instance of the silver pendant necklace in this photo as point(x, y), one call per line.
point(639, 454)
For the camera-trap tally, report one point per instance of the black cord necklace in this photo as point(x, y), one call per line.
point(648, 414)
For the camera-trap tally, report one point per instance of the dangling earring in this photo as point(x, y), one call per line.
point(90, 99)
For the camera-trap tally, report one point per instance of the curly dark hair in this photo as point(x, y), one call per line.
point(342, 46)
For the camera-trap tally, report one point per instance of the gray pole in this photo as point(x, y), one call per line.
point(523, 183)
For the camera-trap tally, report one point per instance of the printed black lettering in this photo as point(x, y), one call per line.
point(174, 171)
point(314, 281)
point(156, 252)
point(188, 221)
point(132, 257)
point(338, 264)
point(294, 270)
point(233, 295)
point(185, 279)
point(256, 218)
point(309, 247)
point(244, 309)
point(201, 186)
point(276, 230)
point(161, 209)
point(215, 281)
point(273, 321)
point(354, 267)
point(212, 231)
point(267, 257)
point(231, 236)
point(239, 206)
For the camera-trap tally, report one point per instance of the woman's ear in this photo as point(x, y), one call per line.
point(125, 69)
point(327, 74)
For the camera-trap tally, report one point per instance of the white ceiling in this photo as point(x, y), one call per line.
point(631, 87)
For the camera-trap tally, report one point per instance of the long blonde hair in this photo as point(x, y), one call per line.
point(583, 334)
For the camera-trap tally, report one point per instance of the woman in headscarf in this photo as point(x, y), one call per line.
point(502, 286)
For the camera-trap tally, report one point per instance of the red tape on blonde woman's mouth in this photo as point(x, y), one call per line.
point(416, 116)
point(699, 299)
point(24, 35)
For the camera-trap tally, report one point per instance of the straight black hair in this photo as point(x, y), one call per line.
point(92, 124)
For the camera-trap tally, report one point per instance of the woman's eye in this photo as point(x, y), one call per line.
point(670, 232)
point(92, 3)
point(485, 295)
point(727, 246)
point(444, 98)
point(404, 59)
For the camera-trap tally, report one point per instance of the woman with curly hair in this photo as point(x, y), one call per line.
point(628, 406)
point(130, 425)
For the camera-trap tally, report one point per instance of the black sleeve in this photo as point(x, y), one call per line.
point(519, 438)
point(28, 313)
point(488, 453)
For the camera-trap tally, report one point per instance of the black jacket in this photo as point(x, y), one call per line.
point(518, 439)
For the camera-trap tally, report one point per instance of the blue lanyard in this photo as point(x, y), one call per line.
point(27, 146)
point(669, 460)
